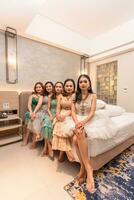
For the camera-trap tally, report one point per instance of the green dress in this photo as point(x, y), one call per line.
point(35, 125)
point(47, 126)
point(27, 114)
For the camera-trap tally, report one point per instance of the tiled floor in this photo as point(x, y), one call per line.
point(24, 175)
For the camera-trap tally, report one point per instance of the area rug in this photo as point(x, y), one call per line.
point(115, 181)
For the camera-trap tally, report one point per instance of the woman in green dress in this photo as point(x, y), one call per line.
point(49, 120)
point(32, 116)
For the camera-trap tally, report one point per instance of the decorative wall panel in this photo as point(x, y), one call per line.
point(107, 82)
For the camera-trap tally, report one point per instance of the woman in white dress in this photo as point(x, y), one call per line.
point(82, 112)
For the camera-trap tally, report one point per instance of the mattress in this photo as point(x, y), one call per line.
point(125, 126)
point(125, 130)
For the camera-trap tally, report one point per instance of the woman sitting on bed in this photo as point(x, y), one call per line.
point(48, 121)
point(33, 116)
point(82, 112)
point(60, 141)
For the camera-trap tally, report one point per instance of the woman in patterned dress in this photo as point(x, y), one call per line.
point(63, 113)
point(34, 105)
point(48, 121)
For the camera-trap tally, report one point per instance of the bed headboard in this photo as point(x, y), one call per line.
point(23, 101)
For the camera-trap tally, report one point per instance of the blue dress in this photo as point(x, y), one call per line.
point(47, 126)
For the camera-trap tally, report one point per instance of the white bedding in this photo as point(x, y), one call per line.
point(125, 126)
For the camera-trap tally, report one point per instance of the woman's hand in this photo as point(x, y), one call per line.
point(58, 117)
point(32, 116)
point(51, 118)
point(62, 118)
point(79, 124)
point(79, 131)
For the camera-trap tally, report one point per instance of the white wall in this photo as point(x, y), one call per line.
point(38, 62)
point(125, 78)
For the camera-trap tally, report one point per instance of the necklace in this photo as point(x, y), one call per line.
point(85, 97)
point(82, 107)
point(68, 97)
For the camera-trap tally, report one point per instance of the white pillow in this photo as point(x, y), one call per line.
point(100, 104)
point(113, 110)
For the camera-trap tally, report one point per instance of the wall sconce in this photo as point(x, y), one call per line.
point(84, 64)
point(11, 55)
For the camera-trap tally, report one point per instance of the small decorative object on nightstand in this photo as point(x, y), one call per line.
point(10, 122)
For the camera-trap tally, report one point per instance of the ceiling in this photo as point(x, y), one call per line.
point(90, 18)
point(87, 18)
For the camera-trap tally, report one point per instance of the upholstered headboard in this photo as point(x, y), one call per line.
point(23, 101)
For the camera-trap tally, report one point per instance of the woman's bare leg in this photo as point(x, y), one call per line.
point(45, 148)
point(83, 148)
point(81, 177)
point(33, 145)
point(38, 136)
point(26, 137)
point(70, 156)
point(69, 153)
point(50, 150)
point(61, 156)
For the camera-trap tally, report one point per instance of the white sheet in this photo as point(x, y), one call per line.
point(125, 125)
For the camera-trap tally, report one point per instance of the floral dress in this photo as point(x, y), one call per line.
point(36, 124)
point(60, 142)
point(47, 125)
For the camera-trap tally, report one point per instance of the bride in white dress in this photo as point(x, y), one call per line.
point(89, 123)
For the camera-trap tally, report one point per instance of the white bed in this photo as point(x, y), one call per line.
point(125, 124)
point(102, 151)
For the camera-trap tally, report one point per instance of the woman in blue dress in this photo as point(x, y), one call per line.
point(49, 120)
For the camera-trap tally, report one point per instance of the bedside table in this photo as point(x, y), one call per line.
point(10, 129)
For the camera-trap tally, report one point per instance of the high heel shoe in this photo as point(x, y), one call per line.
point(80, 180)
point(90, 186)
point(38, 138)
point(51, 154)
point(43, 153)
point(24, 143)
point(70, 156)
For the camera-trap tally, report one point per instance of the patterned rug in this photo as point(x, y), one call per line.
point(115, 181)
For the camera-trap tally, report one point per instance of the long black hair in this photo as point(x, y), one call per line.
point(60, 83)
point(78, 92)
point(67, 80)
point(54, 92)
point(45, 92)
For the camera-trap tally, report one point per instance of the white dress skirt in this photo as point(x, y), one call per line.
point(99, 127)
